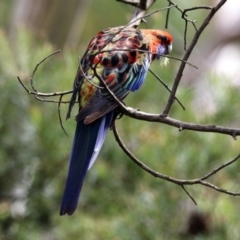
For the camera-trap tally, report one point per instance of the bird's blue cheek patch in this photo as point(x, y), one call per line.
point(161, 50)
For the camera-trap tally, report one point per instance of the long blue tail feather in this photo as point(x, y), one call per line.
point(87, 143)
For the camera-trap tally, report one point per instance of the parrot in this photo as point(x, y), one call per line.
point(120, 57)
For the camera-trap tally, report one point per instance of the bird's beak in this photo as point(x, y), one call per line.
point(169, 49)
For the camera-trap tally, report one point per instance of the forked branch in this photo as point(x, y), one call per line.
point(188, 53)
point(38, 94)
point(180, 182)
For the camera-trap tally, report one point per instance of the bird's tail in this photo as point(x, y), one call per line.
point(87, 143)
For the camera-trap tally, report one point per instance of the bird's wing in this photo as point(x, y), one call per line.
point(117, 56)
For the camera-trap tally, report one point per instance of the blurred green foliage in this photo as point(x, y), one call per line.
point(119, 200)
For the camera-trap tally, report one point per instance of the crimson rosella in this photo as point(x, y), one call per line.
point(121, 57)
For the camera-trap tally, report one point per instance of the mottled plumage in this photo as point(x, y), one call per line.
point(121, 56)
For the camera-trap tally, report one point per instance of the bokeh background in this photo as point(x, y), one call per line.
point(119, 200)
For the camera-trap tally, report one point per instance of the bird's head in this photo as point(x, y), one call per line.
point(164, 43)
point(160, 42)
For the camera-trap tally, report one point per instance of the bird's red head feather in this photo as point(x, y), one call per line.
point(160, 42)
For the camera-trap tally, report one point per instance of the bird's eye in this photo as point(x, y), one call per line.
point(162, 38)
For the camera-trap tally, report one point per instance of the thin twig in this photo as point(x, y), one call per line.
point(50, 100)
point(220, 168)
point(43, 94)
point(59, 114)
point(36, 67)
point(167, 16)
point(184, 16)
point(185, 190)
point(165, 85)
point(145, 51)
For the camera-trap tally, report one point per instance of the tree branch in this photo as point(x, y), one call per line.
point(38, 94)
point(180, 182)
point(187, 54)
